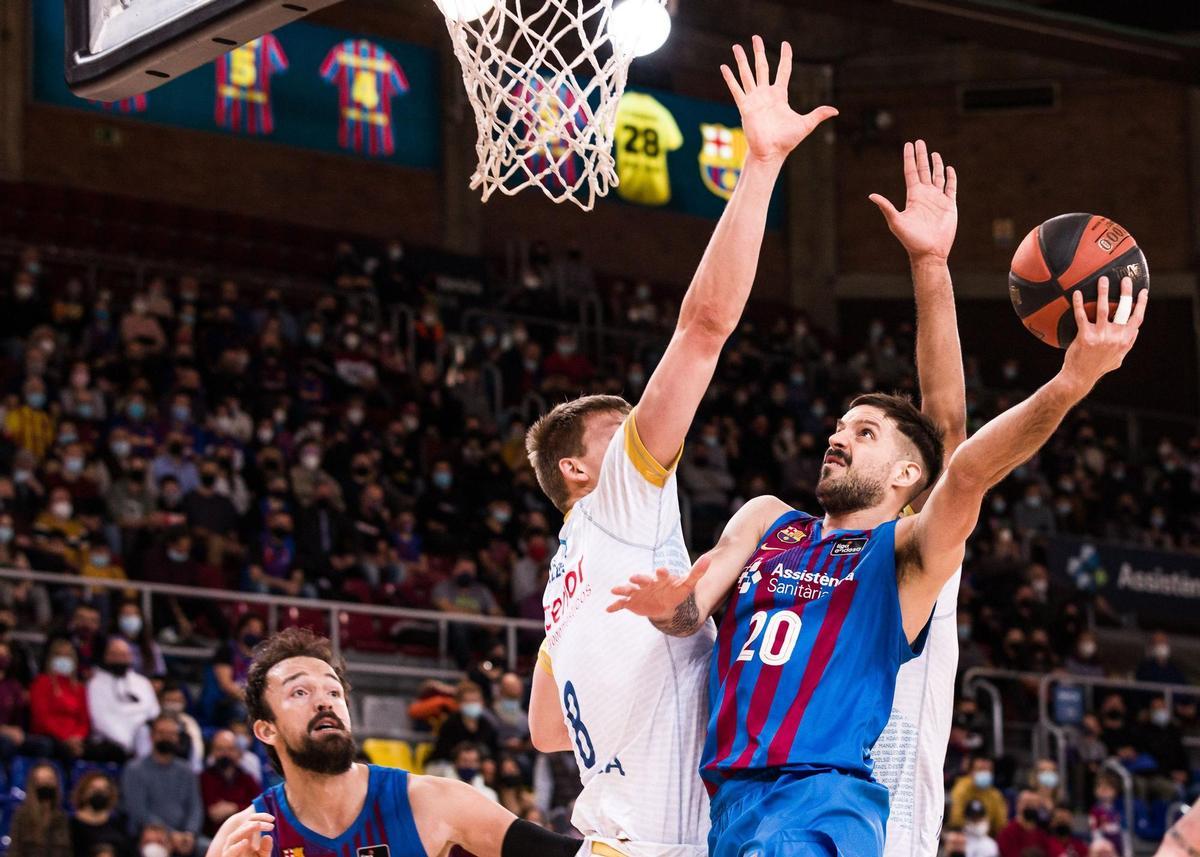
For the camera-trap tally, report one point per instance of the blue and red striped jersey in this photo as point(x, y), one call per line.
point(384, 828)
point(244, 85)
point(367, 78)
point(805, 664)
point(549, 120)
point(133, 104)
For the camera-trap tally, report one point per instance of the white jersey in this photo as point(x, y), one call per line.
point(911, 752)
point(633, 698)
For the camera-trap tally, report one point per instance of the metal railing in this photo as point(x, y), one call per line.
point(334, 611)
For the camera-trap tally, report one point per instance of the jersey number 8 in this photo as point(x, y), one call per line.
point(774, 651)
point(583, 741)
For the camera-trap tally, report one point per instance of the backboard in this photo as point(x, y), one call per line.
point(119, 48)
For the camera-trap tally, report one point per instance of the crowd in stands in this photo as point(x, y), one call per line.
point(202, 434)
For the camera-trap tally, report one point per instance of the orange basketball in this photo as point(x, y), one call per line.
point(1071, 253)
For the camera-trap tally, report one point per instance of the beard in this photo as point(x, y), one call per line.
point(326, 753)
point(848, 493)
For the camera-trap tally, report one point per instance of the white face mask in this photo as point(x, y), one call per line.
point(155, 849)
point(976, 828)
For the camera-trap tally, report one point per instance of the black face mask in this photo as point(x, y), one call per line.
point(98, 801)
point(166, 748)
point(208, 480)
point(1030, 815)
point(464, 580)
point(280, 532)
point(511, 781)
point(957, 854)
point(119, 670)
point(1062, 831)
point(46, 793)
point(225, 764)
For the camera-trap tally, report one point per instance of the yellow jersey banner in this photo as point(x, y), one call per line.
point(646, 133)
point(722, 157)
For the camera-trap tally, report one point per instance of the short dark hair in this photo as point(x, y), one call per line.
point(914, 425)
point(558, 435)
point(288, 643)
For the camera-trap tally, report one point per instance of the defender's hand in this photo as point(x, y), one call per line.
point(772, 128)
point(1100, 347)
point(929, 221)
point(658, 597)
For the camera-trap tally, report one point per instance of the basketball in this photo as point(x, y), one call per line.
point(1071, 253)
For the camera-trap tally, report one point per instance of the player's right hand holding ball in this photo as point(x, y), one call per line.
point(1101, 346)
point(250, 838)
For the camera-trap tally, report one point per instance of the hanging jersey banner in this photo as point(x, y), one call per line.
point(304, 85)
point(681, 154)
point(244, 85)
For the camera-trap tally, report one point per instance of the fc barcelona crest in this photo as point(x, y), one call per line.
point(790, 535)
point(721, 158)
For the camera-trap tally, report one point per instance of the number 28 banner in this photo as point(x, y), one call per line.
point(681, 154)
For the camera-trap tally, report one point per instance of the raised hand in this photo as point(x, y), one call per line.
point(659, 598)
point(249, 839)
point(1100, 347)
point(772, 128)
point(927, 225)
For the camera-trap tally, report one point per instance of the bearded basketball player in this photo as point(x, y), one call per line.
point(330, 806)
point(823, 611)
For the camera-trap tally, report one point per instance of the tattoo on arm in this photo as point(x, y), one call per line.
point(684, 622)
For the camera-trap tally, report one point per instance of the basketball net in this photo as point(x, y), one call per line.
point(544, 78)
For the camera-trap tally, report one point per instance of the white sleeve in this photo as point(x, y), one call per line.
point(636, 497)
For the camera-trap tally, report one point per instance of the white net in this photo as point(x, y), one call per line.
point(544, 78)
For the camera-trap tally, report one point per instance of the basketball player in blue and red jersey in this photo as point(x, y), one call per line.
point(329, 806)
point(822, 612)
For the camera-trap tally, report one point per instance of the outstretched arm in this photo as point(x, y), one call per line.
point(679, 606)
point(714, 302)
point(450, 812)
point(926, 228)
point(930, 546)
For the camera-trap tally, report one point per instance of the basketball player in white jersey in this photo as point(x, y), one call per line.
point(910, 754)
point(626, 698)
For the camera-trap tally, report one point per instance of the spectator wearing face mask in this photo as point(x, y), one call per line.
point(1032, 516)
point(979, 784)
point(1118, 735)
point(463, 593)
point(1025, 830)
point(1044, 781)
point(248, 761)
point(155, 841)
point(976, 839)
point(212, 517)
point(467, 766)
point(1063, 841)
point(954, 844)
point(40, 828)
point(470, 724)
point(119, 699)
point(29, 425)
point(173, 702)
point(221, 700)
point(100, 563)
point(130, 626)
point(1083, 659)
point(1162, 741)
point(1158, 665)
point(58, 531)
point(224, 787)
point(96, 820)
point(162, 788)
point(512, 720)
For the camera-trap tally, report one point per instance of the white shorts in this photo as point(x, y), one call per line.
point(600, 846)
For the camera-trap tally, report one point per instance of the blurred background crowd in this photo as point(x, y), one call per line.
point(365, 443)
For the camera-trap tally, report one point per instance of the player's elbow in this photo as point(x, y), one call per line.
point(967, 475)
point(706, 325)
